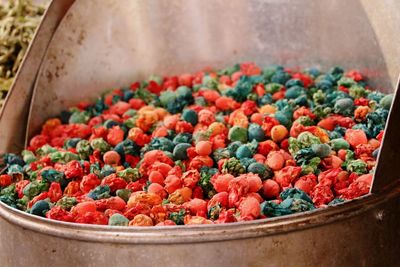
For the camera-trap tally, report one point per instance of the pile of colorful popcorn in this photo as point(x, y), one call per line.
point(238, 144)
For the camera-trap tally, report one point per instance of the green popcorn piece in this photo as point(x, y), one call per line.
point(357, 91)
point(237, 133)
point(178, 217)
point(261, 169)
point(336, 201)
point(221, 153)
point(307, 139)
point(295, 193)
point(124, 194)
point(118, 220)
point(272, 88)
point(339, 143)
point(321, 150)
point(205, 181)
point(305, 121)
point(16, 171)
point(166, 97)
point(190, 116)
point(344, 106)
point(319, 97)
point(346, 82)
point(255, 132)
point(45, 150)
point(8, 195)
point(233, 166)
point(106, 171)
point(34, 188)
point(63, 156)
point(22, 203)
point(386, 101)
point(358, 166)
point(100, 144)
point(99, 192)
point(180, 151)
point(84, 149)
point(67, 202)
point(40, 208)
point(130, 122)
point(214, 211)
point(311, 166)
point(52, 175)
point(294, 200)
point(129, 174)
point(28, 156)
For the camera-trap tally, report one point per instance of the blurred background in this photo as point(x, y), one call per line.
point(18, 22)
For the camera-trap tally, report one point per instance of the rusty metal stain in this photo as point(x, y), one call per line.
point(81, 37)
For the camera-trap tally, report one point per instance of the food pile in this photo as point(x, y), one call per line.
point(18, 22)
point(238, 144)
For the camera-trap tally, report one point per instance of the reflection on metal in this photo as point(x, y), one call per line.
point(103, 44)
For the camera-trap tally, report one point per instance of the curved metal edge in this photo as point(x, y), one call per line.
point(13, 116)
point(196, 233)
point(386, 173)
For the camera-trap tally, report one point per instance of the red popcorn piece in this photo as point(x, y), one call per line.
point(172, 183)
point(72, 189)
point(89, 182)
point(287, 175)
point(275, 160)
point(306, 183)
point(114, 203)
point(5, 180)
point(321, 195)
point(55, 192)
point(158, 190)
point(114, 182)
point(119, 108)
point(221, 182)
point(303, 111)
point(355, 137)
point(136, 103)
point(210, 95)
point(249, 208)
point(219, 199)
point(238, 187)
point(115, 136)
point(226, 216)
point(190, 178)
point(59, 214)
point(73, 170)
point(271, 189)
point(197, 207)
point(355, 75)
point(154, 87)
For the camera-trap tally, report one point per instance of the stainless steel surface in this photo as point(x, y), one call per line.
point(389, 156)
point(364, 232)
point(14, 115)
point(101, 44)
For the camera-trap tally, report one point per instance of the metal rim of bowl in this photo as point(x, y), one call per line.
point(197, 233)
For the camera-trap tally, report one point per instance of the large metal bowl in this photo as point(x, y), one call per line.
point(85, 47)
